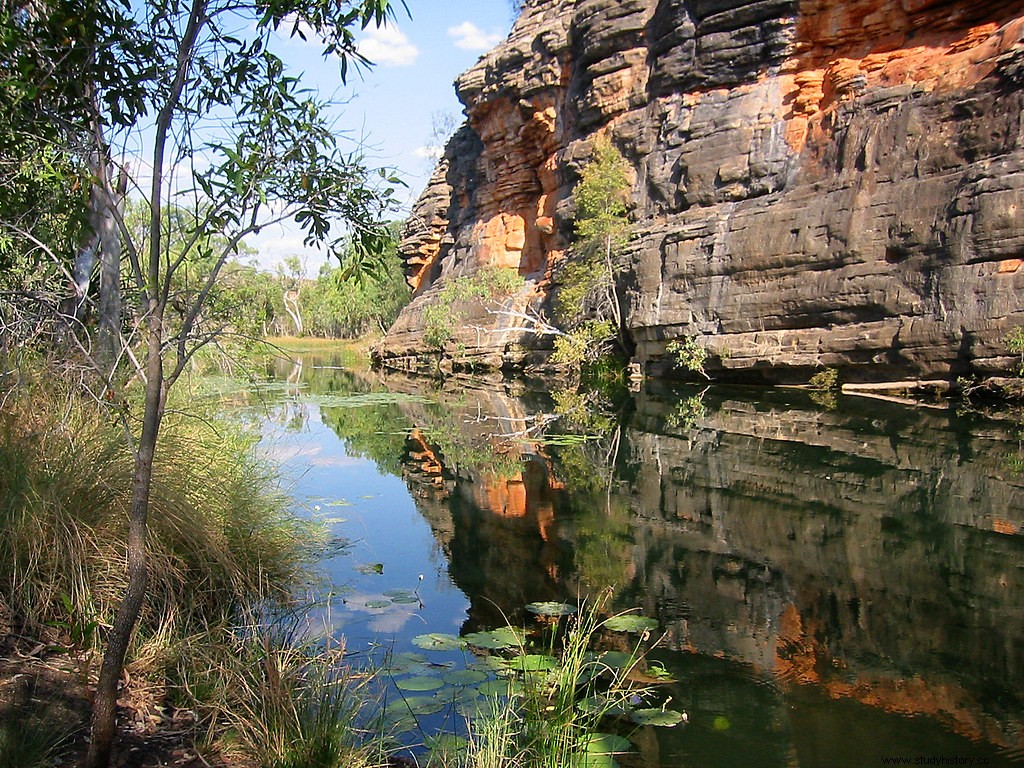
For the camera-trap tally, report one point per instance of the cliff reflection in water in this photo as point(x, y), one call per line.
point(869, 554)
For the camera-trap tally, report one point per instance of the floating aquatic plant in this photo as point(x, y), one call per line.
point(552, 609)
point(497, 639)
point(657, 716)
point(438, 641)
point(419, 683)
point(630, 622)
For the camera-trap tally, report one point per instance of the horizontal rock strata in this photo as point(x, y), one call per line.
point(817, 184)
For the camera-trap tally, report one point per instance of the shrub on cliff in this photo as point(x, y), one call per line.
point(588, 303)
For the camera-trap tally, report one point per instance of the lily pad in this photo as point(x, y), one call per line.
point(488, 663)
point(420, 705)
point(400, 721)
point(476, 707)
point(631, 622)
point(419, 683)
point(500, 688)
point(402, 663)
point(661, 717)
point(370, 569)
point(503, 637)
point(593, 760)
point(608, 744)
point(405, 600)
point(438, 641)
point(602, 705)
point(363, 400)
point(463, 677)
point(616, 659)
point(378, 604)
point(552, 609)
point(402, 596)
point(533, 662)
point(657, 671)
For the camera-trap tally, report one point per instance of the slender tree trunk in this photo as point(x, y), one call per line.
point(154, 294)
point(110, 271)
point(104, 714)
point(613, 294)
point(73, 306)
point(291, 306)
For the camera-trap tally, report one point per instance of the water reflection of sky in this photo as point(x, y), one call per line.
point(376, 518)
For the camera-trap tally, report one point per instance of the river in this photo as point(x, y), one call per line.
point(839, 581)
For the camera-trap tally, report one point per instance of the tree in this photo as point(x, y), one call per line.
point(588, 302)
point(64, 69)
point(292, 273)
point(344, 307)
point(232, 138)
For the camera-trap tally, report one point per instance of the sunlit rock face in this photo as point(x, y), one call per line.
point(816, 183)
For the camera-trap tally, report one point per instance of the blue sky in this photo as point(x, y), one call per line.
point(393, 105)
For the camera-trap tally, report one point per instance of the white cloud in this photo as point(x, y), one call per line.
point(469, 37)
point(389, 47)
point(429, 153)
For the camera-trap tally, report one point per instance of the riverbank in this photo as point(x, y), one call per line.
point(214, 678)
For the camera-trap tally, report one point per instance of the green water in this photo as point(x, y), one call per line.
point(839, 583)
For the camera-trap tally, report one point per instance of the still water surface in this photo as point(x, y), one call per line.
point(840, 581)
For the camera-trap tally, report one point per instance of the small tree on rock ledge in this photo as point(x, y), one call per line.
point(588, 300)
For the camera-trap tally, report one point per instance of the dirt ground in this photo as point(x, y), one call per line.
point(48, 690)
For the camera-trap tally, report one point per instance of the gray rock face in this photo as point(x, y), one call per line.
point(835, 184)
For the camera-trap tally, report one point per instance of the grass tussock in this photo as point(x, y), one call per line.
point(271, 695)
point(220, 537)
point(29, 737)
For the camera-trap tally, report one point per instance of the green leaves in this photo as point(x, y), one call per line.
point(551, 609)
point(496, 639)
point(602, 195)
point(665, 718)
point(438, 641)
point(420, 683)
point(587, 302)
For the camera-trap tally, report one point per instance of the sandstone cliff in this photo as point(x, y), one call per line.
point(818, 183)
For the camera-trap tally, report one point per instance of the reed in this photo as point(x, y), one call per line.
point(550, 719)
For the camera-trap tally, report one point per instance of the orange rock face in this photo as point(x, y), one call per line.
point(518, 182)
point(843, 49)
